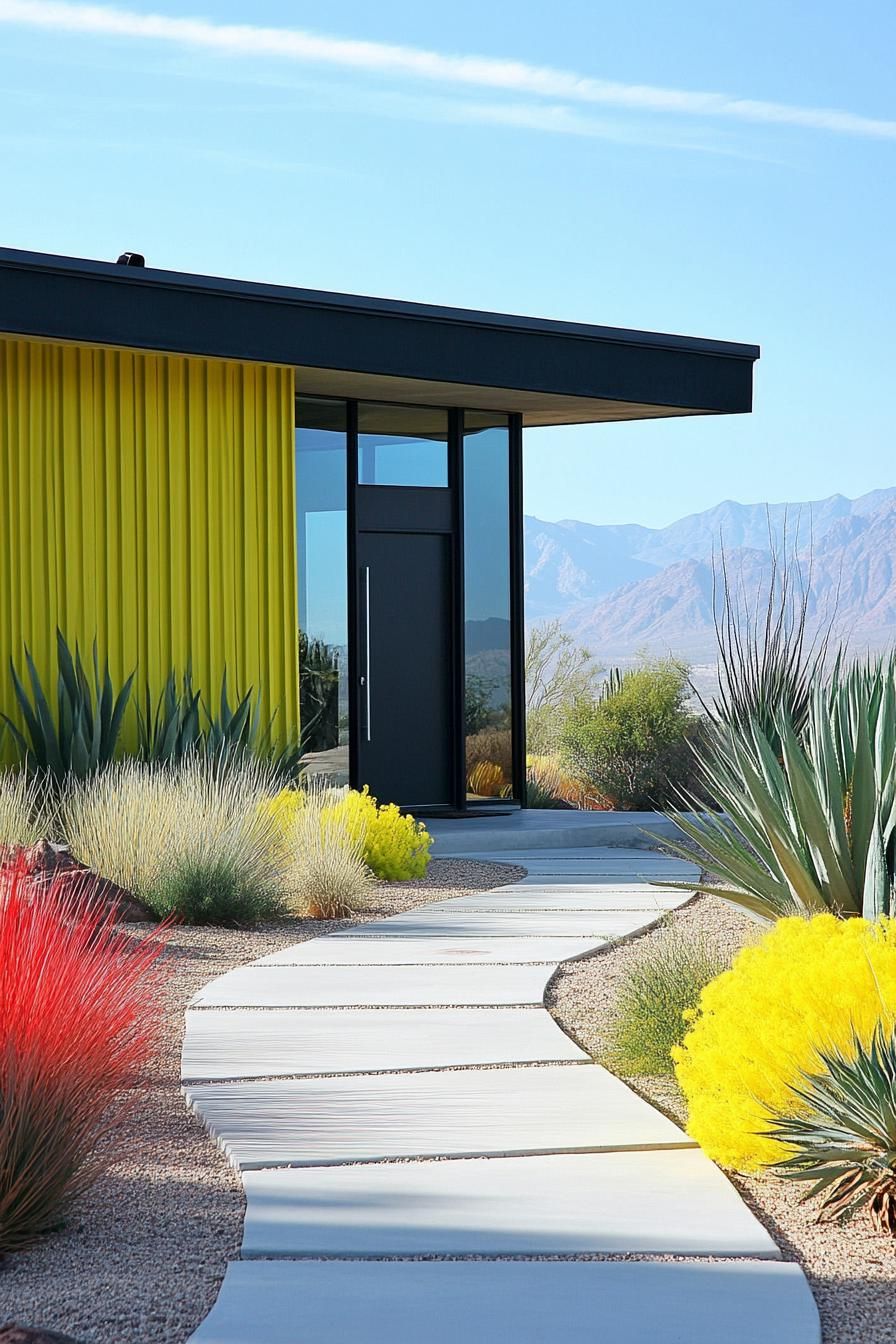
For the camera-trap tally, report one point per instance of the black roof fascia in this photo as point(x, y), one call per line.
point(101, 303)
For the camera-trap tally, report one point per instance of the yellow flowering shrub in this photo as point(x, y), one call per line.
point(806, 986)
point(394, 846)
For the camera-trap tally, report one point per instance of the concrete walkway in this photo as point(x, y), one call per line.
point(428, 1159)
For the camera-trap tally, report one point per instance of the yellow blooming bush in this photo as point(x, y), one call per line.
point(394, 846)
point(809, 984)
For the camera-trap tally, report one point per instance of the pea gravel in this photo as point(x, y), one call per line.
point(141, 1255)
point(851, 1269)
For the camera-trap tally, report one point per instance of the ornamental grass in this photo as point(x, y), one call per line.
point(79, 1010)
point(192, 840)
point(21, 821)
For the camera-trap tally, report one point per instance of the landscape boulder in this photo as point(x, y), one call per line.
point(47, 862)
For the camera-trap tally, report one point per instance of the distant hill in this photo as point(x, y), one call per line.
point(628, 589)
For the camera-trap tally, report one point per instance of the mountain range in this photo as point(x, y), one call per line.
point(626, 589)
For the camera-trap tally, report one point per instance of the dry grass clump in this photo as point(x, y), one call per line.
point(191, 840)
point(21, 818)
point(665, 983)
point(327, 876)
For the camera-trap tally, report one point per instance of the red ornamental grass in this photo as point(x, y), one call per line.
point(79, 1011)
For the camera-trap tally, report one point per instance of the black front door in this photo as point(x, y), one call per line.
point(405, 659)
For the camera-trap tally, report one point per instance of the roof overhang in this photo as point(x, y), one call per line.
point(380, 349)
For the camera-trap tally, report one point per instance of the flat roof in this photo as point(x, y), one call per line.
point(350, 345)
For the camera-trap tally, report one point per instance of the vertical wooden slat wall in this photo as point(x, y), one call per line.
point(149, 500)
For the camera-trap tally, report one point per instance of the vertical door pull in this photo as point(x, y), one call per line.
point(365, 680)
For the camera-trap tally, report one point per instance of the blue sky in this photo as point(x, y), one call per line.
point(579, 168)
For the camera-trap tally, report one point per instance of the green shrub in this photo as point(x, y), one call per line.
point(633, 745)
point(665, 983)
point(215, 889)
point(193, 839)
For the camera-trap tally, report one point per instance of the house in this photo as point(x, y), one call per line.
point(319, 493)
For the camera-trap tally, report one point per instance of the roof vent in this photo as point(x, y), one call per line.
point(131, 259)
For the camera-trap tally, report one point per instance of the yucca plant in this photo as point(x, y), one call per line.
point(843, 1132)
point(813, 830)
point(768, 663)
point(82, 734)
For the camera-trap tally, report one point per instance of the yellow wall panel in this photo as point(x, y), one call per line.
point(149, 500)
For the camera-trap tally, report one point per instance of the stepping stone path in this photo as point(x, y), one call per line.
point(419, 1141)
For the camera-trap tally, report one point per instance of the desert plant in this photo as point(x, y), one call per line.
point(170, 729)
point(492, 745)
point(192, 839)
point(841, 1131)
point(808, 987)
point(21, 814)
point(767, 662)
point(547, 776)
point(633, 746)
point(487, 780)
point(79, 1005)
point(82, 735)
point(560, 675)
point(393, 845)
point(327, 876)
point(181, 723)
point(815, 830)
point(665, 983)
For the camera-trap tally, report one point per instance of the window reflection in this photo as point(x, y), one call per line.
point(402, 445)
point(321, 538)
point(489, 740)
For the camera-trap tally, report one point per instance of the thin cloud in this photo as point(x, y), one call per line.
point(516, 77)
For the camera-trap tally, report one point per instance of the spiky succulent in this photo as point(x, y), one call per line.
point(843, 1131)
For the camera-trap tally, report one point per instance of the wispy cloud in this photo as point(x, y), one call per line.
point(508, 76)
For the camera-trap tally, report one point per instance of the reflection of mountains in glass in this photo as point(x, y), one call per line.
point(490, 635)
point(487, 667)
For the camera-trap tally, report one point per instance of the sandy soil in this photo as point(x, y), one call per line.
point(141, 1255)
point(852, 1270)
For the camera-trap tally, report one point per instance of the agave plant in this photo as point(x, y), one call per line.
point(843, 1132)
point(813, 830)
point(171, 730)
point(82, 735)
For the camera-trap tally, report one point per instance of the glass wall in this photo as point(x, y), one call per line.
point(486, 475)
point(402, 445)
point(322, 539)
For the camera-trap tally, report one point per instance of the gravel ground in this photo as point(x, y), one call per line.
point(141, 1256)
point(852, 1270)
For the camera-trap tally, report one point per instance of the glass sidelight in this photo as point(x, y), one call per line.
point(488, 670)
point(322, 541)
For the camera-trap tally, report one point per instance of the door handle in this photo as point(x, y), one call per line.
point(365, 680)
